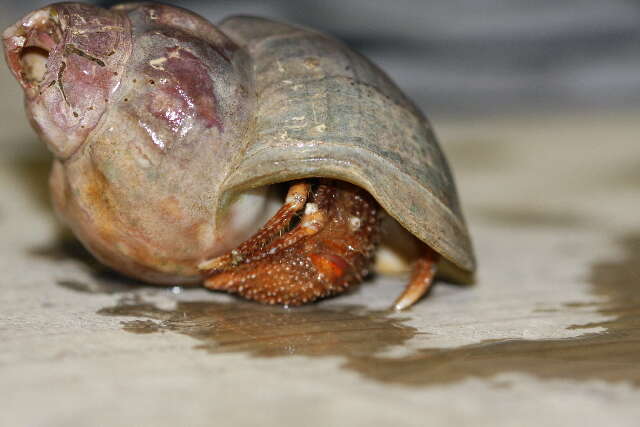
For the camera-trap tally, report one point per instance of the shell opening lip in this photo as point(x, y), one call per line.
point(27, 46)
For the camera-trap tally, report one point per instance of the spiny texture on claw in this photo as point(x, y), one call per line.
point(328, 250)
point(296, 199)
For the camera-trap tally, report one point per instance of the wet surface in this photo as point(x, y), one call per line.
point(360, 336)
point(271, 331)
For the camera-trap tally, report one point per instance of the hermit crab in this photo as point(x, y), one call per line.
point(169, 134)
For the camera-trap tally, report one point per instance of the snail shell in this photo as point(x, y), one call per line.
point(167, 131)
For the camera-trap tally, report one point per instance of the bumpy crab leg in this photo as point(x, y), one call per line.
point(295, 201)
point(327, 251)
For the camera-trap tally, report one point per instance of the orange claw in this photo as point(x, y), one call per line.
point(295, 201)
point(326, 252)
point(424, 272)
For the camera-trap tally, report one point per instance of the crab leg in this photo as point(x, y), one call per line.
point(311, 223)
point(295, 201)
point(329, 250)
point(422, 277)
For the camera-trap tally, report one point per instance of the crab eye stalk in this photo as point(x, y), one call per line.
point(67, 58)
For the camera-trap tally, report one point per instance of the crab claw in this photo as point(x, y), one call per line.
point(424, 272)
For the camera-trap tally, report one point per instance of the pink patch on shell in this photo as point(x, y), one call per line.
point(185, 90)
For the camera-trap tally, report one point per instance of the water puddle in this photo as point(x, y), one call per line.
point(271, 331)
point(360, 335)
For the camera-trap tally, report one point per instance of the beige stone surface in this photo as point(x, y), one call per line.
point(547, 336)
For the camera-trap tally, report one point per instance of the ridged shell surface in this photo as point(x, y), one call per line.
point(323, 110)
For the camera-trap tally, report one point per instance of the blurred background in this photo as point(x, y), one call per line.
point(469, 56)
point(536, 105)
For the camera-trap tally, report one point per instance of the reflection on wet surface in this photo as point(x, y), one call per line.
point(271, 331)
point(360, 335)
